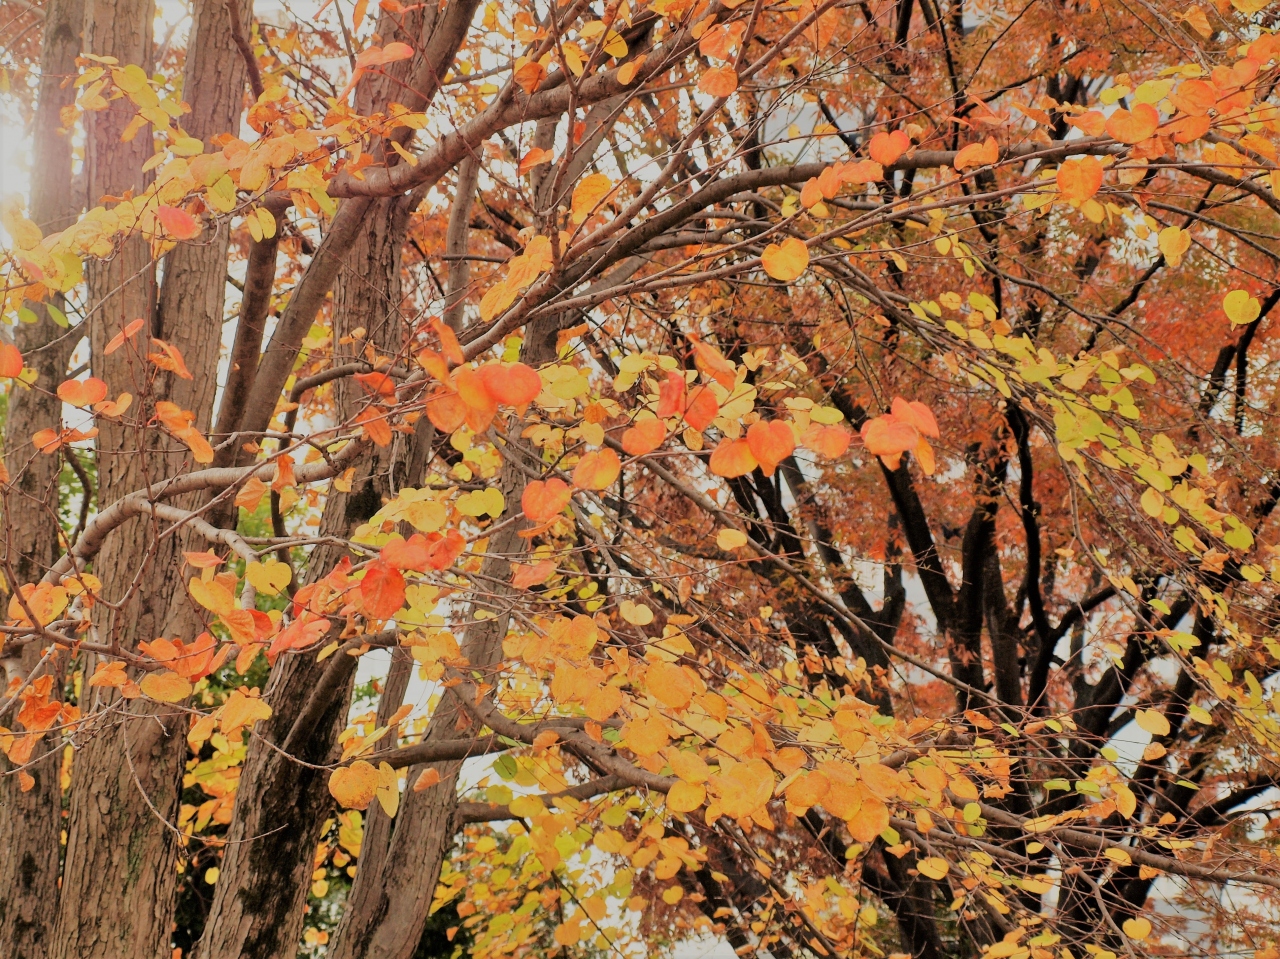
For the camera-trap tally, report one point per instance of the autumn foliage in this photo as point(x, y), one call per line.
point(561, 479)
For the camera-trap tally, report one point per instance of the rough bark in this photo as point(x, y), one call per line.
point(29, 820)
point(260, 900)
point(388, 906)
point(119, 879)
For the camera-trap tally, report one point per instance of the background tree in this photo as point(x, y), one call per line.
point(573, 478)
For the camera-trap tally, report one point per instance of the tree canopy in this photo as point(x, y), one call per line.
point(575, 478)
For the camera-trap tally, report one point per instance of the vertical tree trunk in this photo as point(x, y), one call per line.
point(260, 900)
point(388, 906)
point(30, 819)
point(120, 878)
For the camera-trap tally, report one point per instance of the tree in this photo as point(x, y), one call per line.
point(573, 478)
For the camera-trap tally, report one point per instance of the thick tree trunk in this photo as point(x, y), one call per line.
point(260, 900)
point(388, 906)
point(30, 819)
point(120, 877)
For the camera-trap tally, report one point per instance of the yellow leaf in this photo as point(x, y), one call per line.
point(1138, 928)
point(567, 933)
point(1118, 855)
point(213, 596)
point(728, 539)
point(1126, 801)
point(354, 786)
point(786, 260)
point(1152, 721)
point(588, 194)
point(388, 791)
point(686, 797)
point(269, 577)
point(241, 710)
point(934, 867)
point(672, 895)
point(1241, 308)
point(1174, 243)
point(165, 687)
point(637, 614)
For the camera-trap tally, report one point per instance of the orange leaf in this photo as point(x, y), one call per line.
point(978, 154)
point(917, 414)
point(179, 224)
point(10, 360)
point(535, 157)
point(712, 362)
point(165, 687)
point(1092, 123)
point(1133, 126)
point(702, 409)
point(82, 392)
point(407, 554)
point(473, 389)
point(1080, 178)
point(770, 443)
point(810, 193)
point(529, 75)
point(786, 260)
point(448, 341)
point(733, 458)
point(205, 560)
point(446, 410)
point(169, 359)
point(887, 148)
point(429, 778)
point(381, 590)
point(523, 575)
point(644, 437)
point(1189, 129)
point(543, 501)
point(513, 384)
point(889, 437)
point(829, 441)
point(117, 341)
point(597, 470)
point(377, 383)
point(719, 81)
point(443, 550)
point(377, 56)
point(116, 407)
point(46, 440)
point(375, 425)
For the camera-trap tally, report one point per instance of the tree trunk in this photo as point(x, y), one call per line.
point(120, 877)
point(388, 907)
point(30, 818)
point(260, 900)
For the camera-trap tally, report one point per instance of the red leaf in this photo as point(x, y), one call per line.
point(671, 395)
point(702, 409)
point(382, 590)
point(179, 224)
